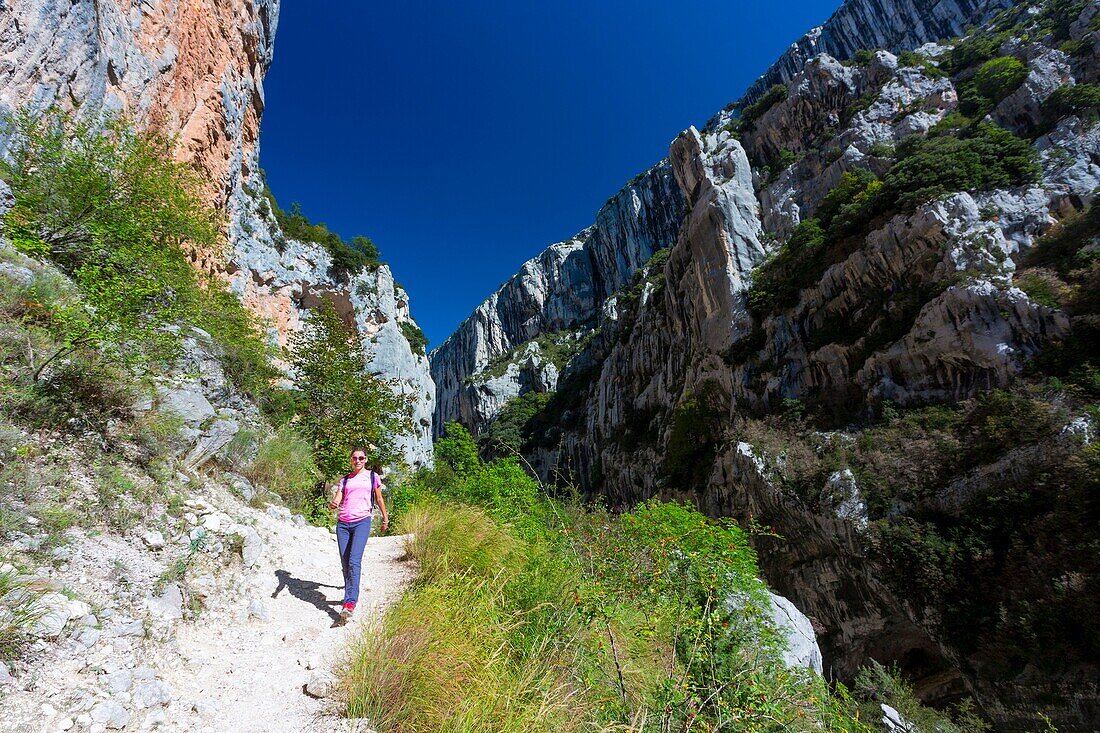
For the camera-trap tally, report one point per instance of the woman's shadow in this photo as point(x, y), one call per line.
point(309, 591)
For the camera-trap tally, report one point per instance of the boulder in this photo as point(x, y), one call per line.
point(802, 649)
point(56, 613)
point(320, 684)
point(152, 694)
point(169, 604)
point(110, 715)
point(153, 539)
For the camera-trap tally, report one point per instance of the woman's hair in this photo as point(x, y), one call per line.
point(357, 448)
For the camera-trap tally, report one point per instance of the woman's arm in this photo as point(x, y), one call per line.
point(337, 497)
point(382, 505)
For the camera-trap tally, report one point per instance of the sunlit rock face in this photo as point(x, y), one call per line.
point(858, 24)
point(194, 71)
point(561, 290)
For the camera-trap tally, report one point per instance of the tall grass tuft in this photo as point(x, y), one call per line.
point(19, 610)
point(458, 652)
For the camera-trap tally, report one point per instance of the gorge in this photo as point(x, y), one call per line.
point(854, 312)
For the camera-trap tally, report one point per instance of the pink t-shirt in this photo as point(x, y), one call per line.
point(358, 495)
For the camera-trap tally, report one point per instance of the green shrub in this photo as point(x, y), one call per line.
point(1066, 253)
point(780, 163)
point(458, 450)
point(987, 156)
point(239, 344)
point(241, 450)
point(910, 59)
point(116, 494)
point(1044, 287)
point(999, 77)
point(864, 102)
point(862, 58)
point(769, 99)
point(876, 684)
point(1003, 420)
point(418, 342)
point(284, 464)
point(854, 187)
point(1070, 100)
point(972, 51)
point(460, 476)
point(694, 437)
point(777, 282)
point(559, 347)
point(881, 150)
point(507, 433)
point(347, 257)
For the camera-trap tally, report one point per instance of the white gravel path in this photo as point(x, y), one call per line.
point(250, 676)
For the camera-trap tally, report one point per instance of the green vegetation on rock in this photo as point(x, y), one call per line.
point(348, 257)
point(971, 158)
point(1063, 271)
point(999, 77)
point(418, 342)
point(112, 210)
point(973, 509)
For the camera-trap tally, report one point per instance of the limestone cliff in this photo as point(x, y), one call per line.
point(561, 290)
point(766, 303)
point(898, 25)
point(195, 70)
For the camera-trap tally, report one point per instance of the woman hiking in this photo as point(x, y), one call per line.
point(353, 498)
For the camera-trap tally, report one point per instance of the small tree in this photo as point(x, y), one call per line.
point(999, 77)
point(342, 405)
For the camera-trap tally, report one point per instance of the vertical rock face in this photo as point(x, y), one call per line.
point(194, 70)
point(898, 25)
point(562, 289)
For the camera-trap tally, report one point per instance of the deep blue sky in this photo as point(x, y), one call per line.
point(465, 137)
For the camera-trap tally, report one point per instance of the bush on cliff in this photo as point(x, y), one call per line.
point(118, 216)
point(999, 77)
point(982, 157)
point(348, 257)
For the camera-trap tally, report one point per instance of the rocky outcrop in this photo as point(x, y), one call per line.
point(869, 24)
point(194, 71)
point(562, 289)
point(281, 279)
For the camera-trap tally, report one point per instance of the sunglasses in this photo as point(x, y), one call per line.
point(358, 458)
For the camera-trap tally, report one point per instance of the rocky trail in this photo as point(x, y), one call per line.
point(260, 653)
point(254, 675)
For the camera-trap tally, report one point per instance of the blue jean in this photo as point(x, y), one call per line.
point(351, 538)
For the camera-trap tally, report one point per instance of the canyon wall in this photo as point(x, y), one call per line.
point(194, 71)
